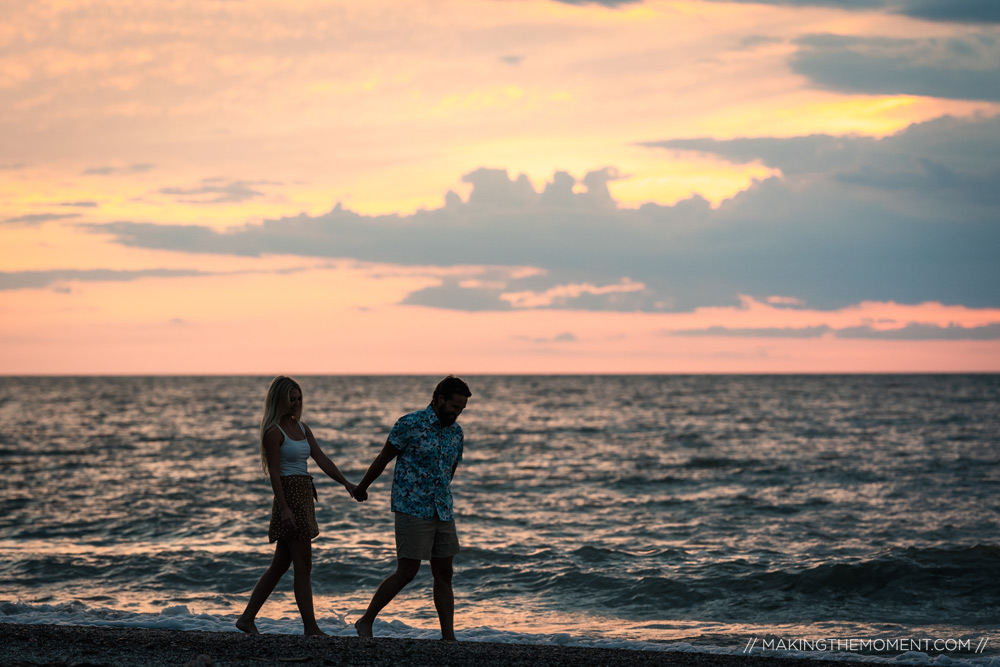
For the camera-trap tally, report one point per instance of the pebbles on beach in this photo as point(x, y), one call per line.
point(66, 646)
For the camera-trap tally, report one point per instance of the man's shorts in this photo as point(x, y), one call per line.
point(423, 539)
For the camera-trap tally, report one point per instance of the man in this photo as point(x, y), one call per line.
point(427, 446)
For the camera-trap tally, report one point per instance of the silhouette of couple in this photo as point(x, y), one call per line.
point(427, 446)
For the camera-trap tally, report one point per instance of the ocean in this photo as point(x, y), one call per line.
point(785, 515)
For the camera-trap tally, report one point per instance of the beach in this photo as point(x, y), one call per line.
point(143, 647)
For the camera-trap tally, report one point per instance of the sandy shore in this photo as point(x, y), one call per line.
point(82, 646)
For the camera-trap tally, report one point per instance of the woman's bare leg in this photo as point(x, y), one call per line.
point(265, 586)
point(301, 551)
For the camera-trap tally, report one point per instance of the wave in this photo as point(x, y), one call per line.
point(903, 575)
point(905, 585)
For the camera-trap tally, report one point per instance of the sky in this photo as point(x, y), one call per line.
point(499, 186)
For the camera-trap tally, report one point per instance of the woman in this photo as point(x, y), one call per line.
point(286, 443)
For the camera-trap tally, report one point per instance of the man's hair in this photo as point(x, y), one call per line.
point(450, 386)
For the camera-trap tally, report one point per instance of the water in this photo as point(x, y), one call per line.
point(652, 512)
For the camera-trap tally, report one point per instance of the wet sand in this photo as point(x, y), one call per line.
point(82, 646)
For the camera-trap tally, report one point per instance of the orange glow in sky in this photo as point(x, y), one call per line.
point(149, 152)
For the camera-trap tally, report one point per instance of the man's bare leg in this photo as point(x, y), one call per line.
point(264, 587)
point(406, 570)
point(444, 596)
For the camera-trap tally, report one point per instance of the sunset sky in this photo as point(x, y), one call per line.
point(499, 186)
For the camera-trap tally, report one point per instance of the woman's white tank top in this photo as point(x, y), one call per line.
point(294, 454)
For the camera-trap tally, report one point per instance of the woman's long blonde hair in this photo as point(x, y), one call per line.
point(276, 406)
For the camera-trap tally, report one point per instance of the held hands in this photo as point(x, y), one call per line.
point(356, 492)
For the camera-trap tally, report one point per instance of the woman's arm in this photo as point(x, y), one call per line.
point(324, 462)
point(272, 445)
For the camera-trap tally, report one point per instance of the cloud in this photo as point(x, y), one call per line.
point(912, 331)
point(836, 4)
point(566, 337)
point(14, 280)
point(564, 294)
point(909, 218)
point(943, 160)
point(114, 171)
point(78, 204)
point(219, 192)
point(983, 12)
point(38, 218)
point(955, 68)
point(917, 331)
point(452, 294)
point(764, 332)
point(535, 291)
point(512, 60)
point(959, 11)
point(814, 154)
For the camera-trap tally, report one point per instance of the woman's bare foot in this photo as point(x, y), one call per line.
point(314, 632)
point(247, 625)
point(364, 628)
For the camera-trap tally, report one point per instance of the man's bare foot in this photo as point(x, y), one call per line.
point(364, 628)
point(247, 625)
point(314, 632)
point(449, 639)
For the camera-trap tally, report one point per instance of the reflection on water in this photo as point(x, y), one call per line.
point(637, 506)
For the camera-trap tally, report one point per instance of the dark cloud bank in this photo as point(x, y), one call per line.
point(948, 11)
point(956, 68)
point(909, 218)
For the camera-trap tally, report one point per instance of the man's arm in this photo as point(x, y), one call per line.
point(377, 467)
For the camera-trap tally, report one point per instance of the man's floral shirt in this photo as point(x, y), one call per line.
point(421, 483)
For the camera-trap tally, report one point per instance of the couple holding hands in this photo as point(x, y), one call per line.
point(427, 446)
